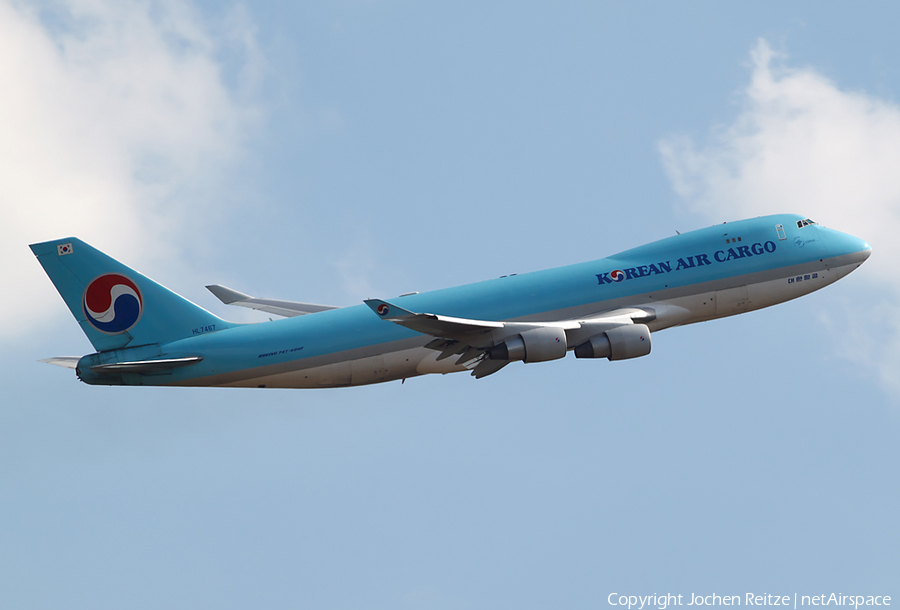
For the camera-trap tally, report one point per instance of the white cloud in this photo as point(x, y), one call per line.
point(801, 144)
point(116, 123)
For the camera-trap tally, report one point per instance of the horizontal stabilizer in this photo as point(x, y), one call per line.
point(288, 309)
point(146, 366)
point(69, 362)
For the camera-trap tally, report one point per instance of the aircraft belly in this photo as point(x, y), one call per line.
point(765, 294)
point(754, 295)
point(771, 292)
point(390, 366)
point(839, 272)
point(701, 306)
point(332, 375)
point(732, 300)
point(777, 291)
point(430, 364)
point(367, 370)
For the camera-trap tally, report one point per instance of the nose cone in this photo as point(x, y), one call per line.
point(848, 248)
point(865, 252)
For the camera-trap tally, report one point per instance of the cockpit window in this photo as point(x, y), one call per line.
point(805, 222)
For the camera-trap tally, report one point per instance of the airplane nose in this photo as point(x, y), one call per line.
point(855, 250)
point(865, 249)
point(861, 250)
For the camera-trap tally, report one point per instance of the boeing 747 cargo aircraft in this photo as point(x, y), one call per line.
point(609, 308)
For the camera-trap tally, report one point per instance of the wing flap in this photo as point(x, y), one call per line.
point(488, 367)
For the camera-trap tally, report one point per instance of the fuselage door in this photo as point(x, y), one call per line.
point(780, 230)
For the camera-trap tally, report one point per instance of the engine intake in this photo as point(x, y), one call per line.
point(537, 345)
point(620, 343)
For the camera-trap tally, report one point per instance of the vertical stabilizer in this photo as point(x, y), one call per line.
point(115, 305)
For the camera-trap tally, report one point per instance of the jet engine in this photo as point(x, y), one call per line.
point(619, 343)
point(536, 345)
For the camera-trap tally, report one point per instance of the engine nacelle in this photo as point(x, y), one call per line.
point(536, 345)
point(619, 343)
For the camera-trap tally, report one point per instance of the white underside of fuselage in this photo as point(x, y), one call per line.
point(412, 362)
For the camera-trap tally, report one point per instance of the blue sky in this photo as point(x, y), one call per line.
point(335, 152)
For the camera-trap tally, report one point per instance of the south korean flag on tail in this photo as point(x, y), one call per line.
point(63, 249)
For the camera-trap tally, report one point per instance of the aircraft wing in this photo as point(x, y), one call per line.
point(288, 309)
point(470, 339)
point(447, 327)
point(431, 324)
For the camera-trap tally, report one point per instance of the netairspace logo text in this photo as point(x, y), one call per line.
point(661, 602)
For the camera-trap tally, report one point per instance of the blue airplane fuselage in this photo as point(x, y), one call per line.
point(749, 264)
point(709, 273)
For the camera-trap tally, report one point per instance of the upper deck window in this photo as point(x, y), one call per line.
point(805, 222)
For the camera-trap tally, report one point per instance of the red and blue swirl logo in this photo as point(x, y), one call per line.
point(112, 303)
point(383, 309)
point(617, 276)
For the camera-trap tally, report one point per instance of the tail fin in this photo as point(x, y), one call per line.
point(115, 305)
